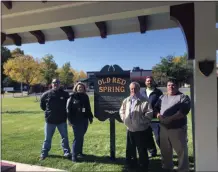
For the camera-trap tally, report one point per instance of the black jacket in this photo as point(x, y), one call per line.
point(154, 96)
point(53, 102)
point(75, 105)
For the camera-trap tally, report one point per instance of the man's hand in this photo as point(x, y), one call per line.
point(167, 120)
point(164, 120)
point(159, 116)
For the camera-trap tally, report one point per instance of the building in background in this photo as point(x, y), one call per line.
point(136, 74)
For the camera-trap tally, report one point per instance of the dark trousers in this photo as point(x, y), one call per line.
point(137, 140)
point(80, 127)
point(155, 128)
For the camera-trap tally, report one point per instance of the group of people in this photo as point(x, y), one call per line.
point(166, 115)
point(60, 106)
point(143, 113)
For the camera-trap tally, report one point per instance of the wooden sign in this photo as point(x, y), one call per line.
point(111, 88)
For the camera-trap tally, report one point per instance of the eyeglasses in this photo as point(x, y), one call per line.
point(55, 82)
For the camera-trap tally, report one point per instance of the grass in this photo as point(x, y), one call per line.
point(23, 135)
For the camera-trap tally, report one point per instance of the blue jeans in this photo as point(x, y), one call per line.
point(49, 132)
point(80, 127)
point(156, 129)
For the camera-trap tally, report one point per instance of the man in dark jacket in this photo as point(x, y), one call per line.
point(153, 94)
point(53, 102)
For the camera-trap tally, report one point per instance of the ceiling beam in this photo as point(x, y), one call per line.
point(3, 37)
point(8, 4)
point(102, 28)
point(39, 36)
point(68, 30)
point(16, 38)
point(143, 23)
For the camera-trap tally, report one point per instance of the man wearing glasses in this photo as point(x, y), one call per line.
point(53, 102)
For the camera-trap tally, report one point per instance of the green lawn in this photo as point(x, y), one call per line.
point(23, 135)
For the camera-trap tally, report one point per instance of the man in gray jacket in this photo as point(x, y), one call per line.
point(172, 110)
point(136, 114)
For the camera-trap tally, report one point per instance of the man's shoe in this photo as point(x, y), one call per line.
point(68, 156)
point(74, 159)
point(42, 158)
point(81, 155)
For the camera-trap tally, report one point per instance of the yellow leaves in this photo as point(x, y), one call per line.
point(77, 75)
point(82, 75)
point(23, 68)
point(176, 59)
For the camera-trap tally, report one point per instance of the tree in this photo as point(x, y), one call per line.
point(66, 75)
point(176, 67)
point(24, 69)
point(17, 52)
point(75, 75)
point(5, 55)
point(82, 75)
point(48, 68)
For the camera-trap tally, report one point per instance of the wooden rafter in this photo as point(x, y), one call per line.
point(3, 37)
point(16, 38)
point(102, 28)
point(39, 35)
point(143, 23)
point(68, 30)
point(8, 4)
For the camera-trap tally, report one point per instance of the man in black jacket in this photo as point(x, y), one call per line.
point(153, 94)
point(53, 102)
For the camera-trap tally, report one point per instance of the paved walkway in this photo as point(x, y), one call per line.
point(28, 167)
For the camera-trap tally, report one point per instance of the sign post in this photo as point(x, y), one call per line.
point(111, 88)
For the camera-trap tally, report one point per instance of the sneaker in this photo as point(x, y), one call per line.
point(68, 155)
point(42, 158)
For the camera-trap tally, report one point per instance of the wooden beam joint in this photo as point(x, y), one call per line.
point(68, 30)
point(3, 37)
point(8, 4)
point(102, 28)
point(143, 23)
point(39, 36)
point(16, 38)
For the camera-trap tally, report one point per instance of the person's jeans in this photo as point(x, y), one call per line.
point(80, 127)
point(156, 130)
point(150, 143)
point(49, 132)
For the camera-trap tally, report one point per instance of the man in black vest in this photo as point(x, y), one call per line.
point(153, 94)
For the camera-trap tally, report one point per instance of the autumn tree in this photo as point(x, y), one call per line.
point(48, 68)
point(17, 52)
point(24, 69)
point(82, 75)
point(5, 55)
point(176, 67)
point(66, 74)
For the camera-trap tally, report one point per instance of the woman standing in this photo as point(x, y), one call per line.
point(79, 115)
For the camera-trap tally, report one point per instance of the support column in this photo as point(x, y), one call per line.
point(205, 88)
